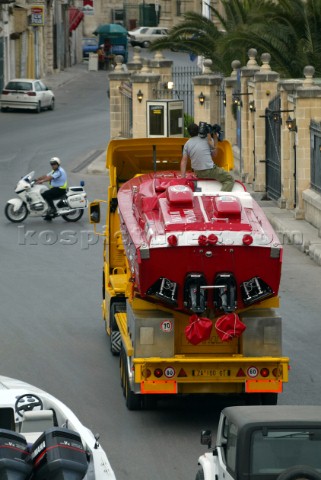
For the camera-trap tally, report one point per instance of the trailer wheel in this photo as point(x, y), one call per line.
point(122, 366)
point(253, 399)
point(200, 475)
point(300, 472)
point(133, 401)
point(115, 338)
point(269, 398)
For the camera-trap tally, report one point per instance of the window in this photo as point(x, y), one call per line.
point(231, 447)
point(274, 451)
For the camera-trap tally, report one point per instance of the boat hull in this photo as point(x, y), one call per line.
point(184, 238)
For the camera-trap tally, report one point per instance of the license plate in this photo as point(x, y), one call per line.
point(211, 372)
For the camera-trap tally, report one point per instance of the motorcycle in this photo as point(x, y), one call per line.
point(70, 206)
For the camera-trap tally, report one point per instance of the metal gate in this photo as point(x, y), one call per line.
point(183, 87)
point(273, 149)
point(315, 134)
point(1, 64)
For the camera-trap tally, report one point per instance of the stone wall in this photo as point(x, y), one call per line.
point(256, 85)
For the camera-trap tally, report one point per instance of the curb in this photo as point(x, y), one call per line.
point(305, 238)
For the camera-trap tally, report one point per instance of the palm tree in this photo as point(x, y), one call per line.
point(290, 30)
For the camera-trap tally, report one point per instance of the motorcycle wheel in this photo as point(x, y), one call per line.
point(73, 216)
point(16, 216)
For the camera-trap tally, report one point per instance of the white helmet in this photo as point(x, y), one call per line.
point(55, 160)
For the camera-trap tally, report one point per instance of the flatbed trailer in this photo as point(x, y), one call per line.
point(147, 328)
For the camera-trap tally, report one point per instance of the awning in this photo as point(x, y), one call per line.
point(75, 17)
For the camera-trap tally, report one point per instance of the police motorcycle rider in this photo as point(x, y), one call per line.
point(57, 179)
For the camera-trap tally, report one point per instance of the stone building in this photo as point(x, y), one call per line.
point(273, 124)
point(38, 37)
point(131, 14)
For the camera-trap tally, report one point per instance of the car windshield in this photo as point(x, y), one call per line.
point(276, 450)
point(25, 86)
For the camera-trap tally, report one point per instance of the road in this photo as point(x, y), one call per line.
point(52, 334)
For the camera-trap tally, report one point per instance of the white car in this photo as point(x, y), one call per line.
point(27, 93)
point(144, 36)
point(40, 437)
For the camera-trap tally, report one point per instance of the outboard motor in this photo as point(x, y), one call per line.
point(194, 295)
point(58, 454)
point(225, 292)
point(13, 456)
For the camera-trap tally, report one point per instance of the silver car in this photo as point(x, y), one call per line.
point(27, 93)
point(144, 36)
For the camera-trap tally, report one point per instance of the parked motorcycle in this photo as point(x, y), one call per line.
point(30, 202)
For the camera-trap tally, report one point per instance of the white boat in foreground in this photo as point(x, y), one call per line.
point(42, 439)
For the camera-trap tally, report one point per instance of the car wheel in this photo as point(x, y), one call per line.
point(300, 472)
point(52, 104)
point(146, 44)
point(38, 107)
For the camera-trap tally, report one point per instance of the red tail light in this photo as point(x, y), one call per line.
point(264, 372)
point(202, 240)
point(247, 239)
point(5, 92)
point(212, 239)
point(158, 372)
point(31, 94)
point(172, 240)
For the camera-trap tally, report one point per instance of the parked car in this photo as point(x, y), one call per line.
point(27, 93)
point(144, 36)
point(89, 45)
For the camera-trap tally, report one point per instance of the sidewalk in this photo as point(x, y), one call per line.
point(55, 80)
point(299, 233)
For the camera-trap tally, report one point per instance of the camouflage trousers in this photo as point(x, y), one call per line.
point(219, 174)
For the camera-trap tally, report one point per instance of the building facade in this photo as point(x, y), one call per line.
point(38, 37)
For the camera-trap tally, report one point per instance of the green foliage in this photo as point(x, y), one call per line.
point(290, 30)
point(188, 119)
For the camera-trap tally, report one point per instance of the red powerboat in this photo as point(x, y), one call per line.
point(193, 247)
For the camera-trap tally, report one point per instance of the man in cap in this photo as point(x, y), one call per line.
point(57, 179)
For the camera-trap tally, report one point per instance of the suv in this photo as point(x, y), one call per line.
point(264, 443)
point(144, 36)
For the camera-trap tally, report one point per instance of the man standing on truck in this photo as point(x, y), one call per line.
point(202, 152)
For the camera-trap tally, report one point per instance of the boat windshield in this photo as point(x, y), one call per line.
point(276, 450)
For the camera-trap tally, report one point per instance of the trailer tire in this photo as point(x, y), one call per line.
point(133, 400)
point(253, 399)
point(115, 338)
point(122, 366)
point(269, 398)
point(200, 475)
point(300, 472)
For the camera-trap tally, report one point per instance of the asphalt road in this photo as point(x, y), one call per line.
point(52, 334)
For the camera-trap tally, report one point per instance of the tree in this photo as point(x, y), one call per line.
point(290, 30)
